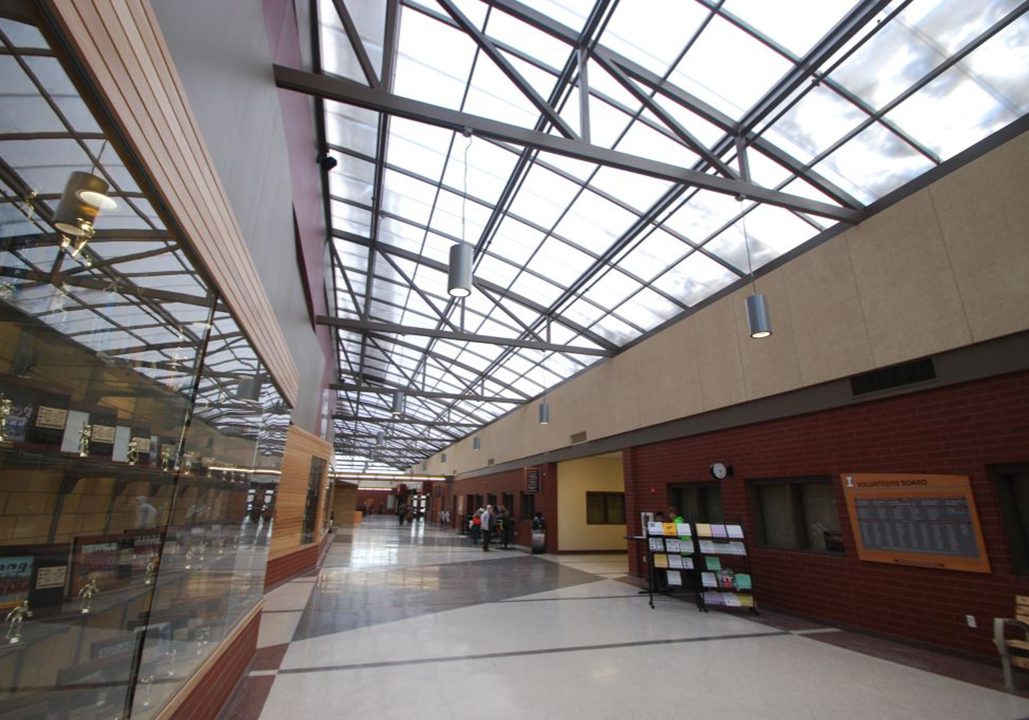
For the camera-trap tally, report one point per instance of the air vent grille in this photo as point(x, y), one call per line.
point(893, 377)
point(579, 437)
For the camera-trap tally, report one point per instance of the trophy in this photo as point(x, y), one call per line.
point(202, 637)
point(132, 454)
point(166, 454)
point(15, 619)
point(190, 556)
point(6, 407)
point(221, 545)
point(87, 593)
point(171, 661)
point(84, 436)
point(187, 463)
point(151, 570)
point(147, 682)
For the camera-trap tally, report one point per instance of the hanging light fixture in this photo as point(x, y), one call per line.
point(544, 409)
point(380, 438)
point(84, 196)
point(398, 404)
point(758, 319)
point(459, 280)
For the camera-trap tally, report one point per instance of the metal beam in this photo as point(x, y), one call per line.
point(392, 328)
point(356, 43)
point(349, 92)
point(351, 387)
point(404, 421)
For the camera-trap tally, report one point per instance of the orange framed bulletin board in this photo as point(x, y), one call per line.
point(911, 519)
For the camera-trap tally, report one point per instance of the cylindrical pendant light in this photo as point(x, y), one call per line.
point(398, 404)
point(544, 413)
point(460, 279)
point(380, 437)
point(757, 316)
point(84, 196)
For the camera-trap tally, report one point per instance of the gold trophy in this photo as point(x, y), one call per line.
point(132, 454)
point(15, 619)
point(6, 407)
point(87, 593)
point(166, 454)
point(151, 570)
point(187, 463)
point(84, 436)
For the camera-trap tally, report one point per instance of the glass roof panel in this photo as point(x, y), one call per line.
point(647, 309)
point(417, 147)
point(653, 254)
point(695, 279)
point(543, 197)
point(639, 191)
point(644, 141)
point(593, 222)
point(492, 94)
point(433, 61)
point(779, 20)
point(728, 69)
point(873, 163)
point(559, 262)
point(704, 214)
point(633, 32)
point(818, 120)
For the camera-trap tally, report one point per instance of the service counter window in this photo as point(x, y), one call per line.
point(796, 514)
point(605, 508)
point(698, 502)
point(1012, 484)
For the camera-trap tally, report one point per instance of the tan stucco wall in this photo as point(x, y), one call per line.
point(941, 269)
point(574, 479)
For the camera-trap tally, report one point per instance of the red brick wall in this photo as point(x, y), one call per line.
point(283, 568)
point(513, 481)
point(376, 497)
point(953, 430)
point(214, 689)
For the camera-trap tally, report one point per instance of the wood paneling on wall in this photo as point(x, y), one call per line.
point(121, 48)
point(301, 446)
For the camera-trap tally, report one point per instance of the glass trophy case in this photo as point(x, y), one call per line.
point(136, 422)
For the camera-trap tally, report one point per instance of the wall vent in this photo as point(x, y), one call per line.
point(579, 437)
point(442, 457)
point(893, 377)
point(490, 461)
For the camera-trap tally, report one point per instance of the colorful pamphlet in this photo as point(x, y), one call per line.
point(731, 600)
point(713, 563)
point(687, 563)
point(712, 598)
point(657, 544)
point(736, 548)
point(673, 545)
point(660, 560)
point(735, 531)
point(718, 531)
point(655, 528)
point(686, 545)
point(668, 529)
point(674, 579)
point(743, 582)
point(708, 579)
point(675, 562)
point(746, 600)
point(703, 530)
point(707, 547)
point(683, 529)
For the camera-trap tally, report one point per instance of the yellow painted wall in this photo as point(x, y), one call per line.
point(574, 479)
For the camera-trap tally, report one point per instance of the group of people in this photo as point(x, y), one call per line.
point(491, 523)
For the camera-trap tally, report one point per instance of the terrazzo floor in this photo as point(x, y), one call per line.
point(412, 621)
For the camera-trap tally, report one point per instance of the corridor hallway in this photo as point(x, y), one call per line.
point(414, 622)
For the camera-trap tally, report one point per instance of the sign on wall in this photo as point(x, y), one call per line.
point(920, 520)
point(533, 482)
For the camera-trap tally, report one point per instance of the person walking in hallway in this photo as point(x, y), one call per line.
point(487, 527)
